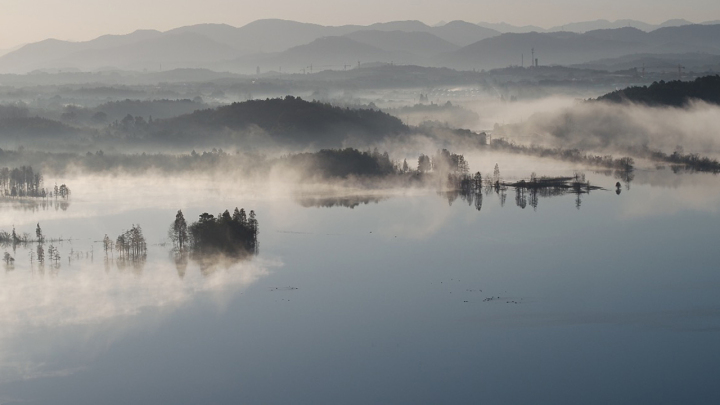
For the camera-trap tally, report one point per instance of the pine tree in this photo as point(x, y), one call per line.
point(179, 231)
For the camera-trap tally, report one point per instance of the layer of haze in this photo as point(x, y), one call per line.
point(619, 127)
point(31, 21)
point(610, 277)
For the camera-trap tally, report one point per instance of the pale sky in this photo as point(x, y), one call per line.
point(23, 21)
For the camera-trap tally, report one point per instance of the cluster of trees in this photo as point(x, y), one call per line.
point(130, 244)
point(9, 260)
point(129, 115)
point(342, 163)
point(470, 188)
point(674, 93)
point(24, 182)
point(527, 192)
point(129, 123)
point(53, 254)
point(691, 161)
point(233, 234)
point(15, 239)
point(443, 162)
point(447, 162)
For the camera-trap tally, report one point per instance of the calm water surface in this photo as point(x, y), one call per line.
point(403, 298)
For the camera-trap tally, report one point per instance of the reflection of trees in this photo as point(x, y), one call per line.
point(534, 198)
point(626, 175)
point(181, 261)
point(526, 192)
point(502, 192)
point(462, 185)
point(478, 201)
point(37, 205)
point(9, 261)
point(520, 197)
point(344, 201)
point(208, 263)
point(137, 265)
point(451, 196)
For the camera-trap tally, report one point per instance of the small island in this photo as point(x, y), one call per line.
point(234, 235)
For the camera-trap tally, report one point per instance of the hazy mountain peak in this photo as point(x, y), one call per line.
point(676, 22)
point(416, 42)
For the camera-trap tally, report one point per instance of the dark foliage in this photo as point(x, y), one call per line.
point(289, 119)
point(342, 163)
point(21, 127)
point(674, 93)
point(232, 235)
point(690, 161)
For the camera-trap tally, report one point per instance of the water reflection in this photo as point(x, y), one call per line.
point(697, 187)
point(526, 192)
point(208, 264)
point(347, 201)
point(41, 300)
point(377, 298)
point(34, 204)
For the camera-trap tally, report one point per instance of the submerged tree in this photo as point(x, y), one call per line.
point(8, 259)
point(54, 255)
point(64, 191)
point(179, 231)
point(424, 164)
point(107, 245)
point(39, 234)
point(131, 244)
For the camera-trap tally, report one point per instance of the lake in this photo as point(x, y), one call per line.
point(382, 297)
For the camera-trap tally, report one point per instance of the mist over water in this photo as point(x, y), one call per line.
point(395, 213)
point(611, 128)
point(72, 322)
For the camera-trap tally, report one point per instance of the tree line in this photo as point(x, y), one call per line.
point(674, 93)
point(24, 182)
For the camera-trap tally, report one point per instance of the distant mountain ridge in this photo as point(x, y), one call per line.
point(585, 26)
point(568, 48)
point(219, 42)
point(273, 44)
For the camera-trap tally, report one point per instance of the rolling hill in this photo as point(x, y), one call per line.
point(567, 48)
